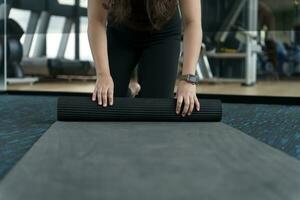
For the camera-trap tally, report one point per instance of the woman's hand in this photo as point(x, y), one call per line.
point(104, 90)
point(186, 95)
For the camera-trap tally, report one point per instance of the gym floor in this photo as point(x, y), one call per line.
point(262, 88)
point(27, 117)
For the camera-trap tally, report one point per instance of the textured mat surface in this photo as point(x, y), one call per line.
point(24, 119)
point(130, 109)
point(144, 160)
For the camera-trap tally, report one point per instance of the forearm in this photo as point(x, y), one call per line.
point(98, 44)
point(191, 47)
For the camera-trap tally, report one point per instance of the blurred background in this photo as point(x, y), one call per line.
point(250, 47)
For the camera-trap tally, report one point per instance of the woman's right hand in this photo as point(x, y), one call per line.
point(104, 91)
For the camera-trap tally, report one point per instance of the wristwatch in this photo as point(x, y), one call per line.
point(190, 78)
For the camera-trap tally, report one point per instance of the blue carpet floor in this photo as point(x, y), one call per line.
point(23, 120)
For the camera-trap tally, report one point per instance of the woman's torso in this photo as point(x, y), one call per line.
point(139, 19)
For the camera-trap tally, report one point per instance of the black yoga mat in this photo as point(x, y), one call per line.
point(134, 109)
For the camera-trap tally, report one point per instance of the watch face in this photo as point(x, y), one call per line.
point(193, 79)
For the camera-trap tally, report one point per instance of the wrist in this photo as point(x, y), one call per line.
point(189, 78)
point(185, 82)
point(188, 72)
point(103, 74)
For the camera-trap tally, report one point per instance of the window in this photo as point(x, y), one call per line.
point(54, 35)
point(85, 51)
point(66, 2)
point(83, 3)
point(21, 17)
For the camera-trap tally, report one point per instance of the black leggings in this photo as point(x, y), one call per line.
point(156, 53)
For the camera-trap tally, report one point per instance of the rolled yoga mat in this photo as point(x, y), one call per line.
point(133, 109)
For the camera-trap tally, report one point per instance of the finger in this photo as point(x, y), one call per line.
point(94, 97)
point(179, 104)
point(186, 106)
point(99, 97)
point(111, 96)
point(197, 103)
point(104, 97)
point(192, 105)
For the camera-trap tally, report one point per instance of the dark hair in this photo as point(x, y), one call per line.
point(159, 11)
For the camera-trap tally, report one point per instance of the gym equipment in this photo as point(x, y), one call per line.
point(150, 160)
point(280, 59)
point(14, 48)
point(38, 64)
point(231, 43)
point(53, 67)
point(14, 55)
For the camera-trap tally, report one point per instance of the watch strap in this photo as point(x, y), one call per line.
point(190, 78)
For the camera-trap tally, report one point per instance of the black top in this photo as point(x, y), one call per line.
point(139, 18)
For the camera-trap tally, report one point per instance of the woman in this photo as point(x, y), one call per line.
point(147, 33)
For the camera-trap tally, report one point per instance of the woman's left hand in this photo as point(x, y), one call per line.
point(186, 95)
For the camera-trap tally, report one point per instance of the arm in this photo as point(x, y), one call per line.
point(191, 16)
point(97, 20)
point(186, 92)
